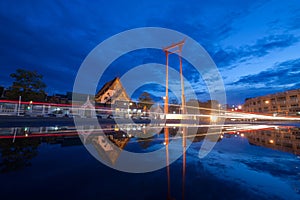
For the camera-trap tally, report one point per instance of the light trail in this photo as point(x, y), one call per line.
point(125, 129)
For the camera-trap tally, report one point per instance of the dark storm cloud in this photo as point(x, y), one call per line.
point(227, 57)
point(284, 73)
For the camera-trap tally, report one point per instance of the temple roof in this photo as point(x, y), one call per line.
point(106, 86)
point(118, 94)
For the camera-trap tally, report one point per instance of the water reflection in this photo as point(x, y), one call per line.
point(184, 136)
point(166, 132)
point(109, 147)
point(21, 132)
point(285, 139)
point(18, 146)
point(17, 155)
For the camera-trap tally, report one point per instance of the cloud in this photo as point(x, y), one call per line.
point(228, 57)
point(281, 74)
point(295, 20)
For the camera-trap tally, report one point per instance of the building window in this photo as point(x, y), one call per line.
point(281, 99)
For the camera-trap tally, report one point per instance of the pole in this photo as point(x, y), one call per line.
point(166, 107)
point(19, 105)
point(182, 83)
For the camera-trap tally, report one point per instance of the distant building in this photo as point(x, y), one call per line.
point(111, 92)
point(58, 98)
point(286, 103)
point(78, 97)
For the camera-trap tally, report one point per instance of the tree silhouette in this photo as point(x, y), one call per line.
point(28, 85)
point(145, 101)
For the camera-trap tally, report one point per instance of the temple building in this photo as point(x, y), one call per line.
point(285, 103)
point(114, 95)
point(112, 92)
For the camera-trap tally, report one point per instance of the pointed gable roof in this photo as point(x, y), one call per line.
point(117, 87)
point(106, 86)
point(88, 103)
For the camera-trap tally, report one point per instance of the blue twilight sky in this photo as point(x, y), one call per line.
point(254, 43)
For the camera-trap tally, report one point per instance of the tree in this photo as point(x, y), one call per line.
point(28, 85)
point(1, 91)
point(174, 106)
point(145, 101)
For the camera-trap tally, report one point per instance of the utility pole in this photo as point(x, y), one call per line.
point(19, 105)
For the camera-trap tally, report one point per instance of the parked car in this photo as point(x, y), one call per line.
point(145, 117)
point(49, 115)
point(73, 115)
point(102, 116)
